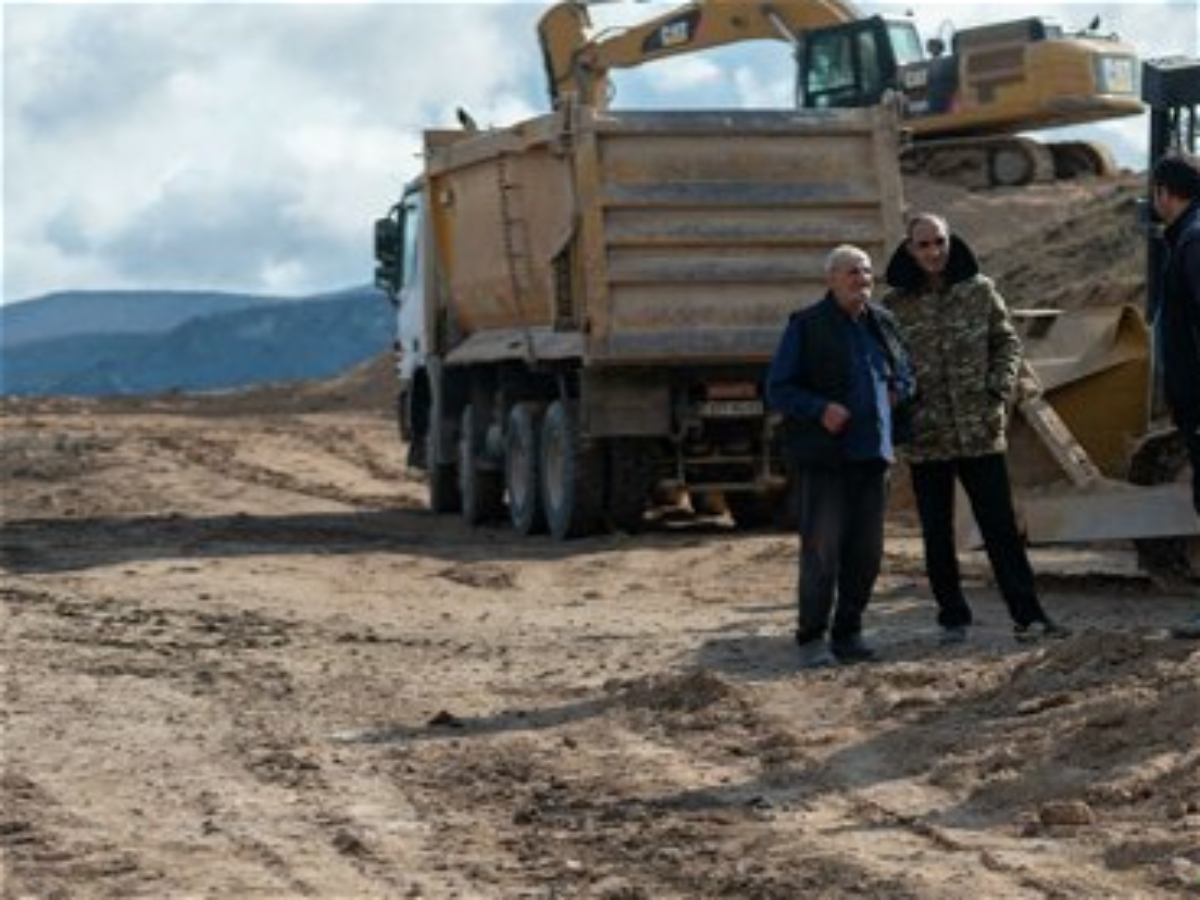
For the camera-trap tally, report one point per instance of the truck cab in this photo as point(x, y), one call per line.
point(400, 274)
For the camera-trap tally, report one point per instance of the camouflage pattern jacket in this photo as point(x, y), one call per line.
point(964, 351)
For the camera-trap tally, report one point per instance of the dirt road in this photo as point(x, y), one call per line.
point(240, 661)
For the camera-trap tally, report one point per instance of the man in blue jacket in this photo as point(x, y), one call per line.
point(837, 377)
point(1175, 181)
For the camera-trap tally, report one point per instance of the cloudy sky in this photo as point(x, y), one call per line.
point(249, 146)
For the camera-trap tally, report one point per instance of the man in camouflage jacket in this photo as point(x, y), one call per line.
point(966, 357)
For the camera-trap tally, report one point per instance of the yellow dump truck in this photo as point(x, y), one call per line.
point(587, 301)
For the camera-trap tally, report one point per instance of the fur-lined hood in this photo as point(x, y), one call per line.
point(904, 273)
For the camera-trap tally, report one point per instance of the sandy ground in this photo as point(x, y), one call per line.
point(241, 661)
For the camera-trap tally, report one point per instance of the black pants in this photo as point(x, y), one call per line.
point(841, 544)
point(985, 480)
point(1192, 439)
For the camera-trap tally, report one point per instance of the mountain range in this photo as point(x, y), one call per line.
point(131, 343)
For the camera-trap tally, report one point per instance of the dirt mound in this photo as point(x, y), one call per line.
point(1065, 246)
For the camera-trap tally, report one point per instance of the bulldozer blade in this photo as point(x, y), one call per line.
point(1102, 511)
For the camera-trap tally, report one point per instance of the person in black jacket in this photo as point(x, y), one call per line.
point(1175, 181)
point(838, 375)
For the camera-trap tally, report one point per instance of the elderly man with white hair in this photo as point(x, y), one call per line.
point(838, 377)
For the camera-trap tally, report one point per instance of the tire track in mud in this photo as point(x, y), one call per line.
point(50, 456)
point(203, 655)
point(686, 786)
point(66, 636)
point(235, 661)
point(218, 453)
point(671, 787)
point(44, 858)
point(64, 532)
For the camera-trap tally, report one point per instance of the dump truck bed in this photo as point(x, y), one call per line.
point(634, 238)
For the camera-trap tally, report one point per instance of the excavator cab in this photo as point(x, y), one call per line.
point(853, 64)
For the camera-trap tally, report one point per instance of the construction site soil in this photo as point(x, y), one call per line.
point(241, 660)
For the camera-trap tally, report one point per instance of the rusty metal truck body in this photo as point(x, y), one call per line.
point(587, 302)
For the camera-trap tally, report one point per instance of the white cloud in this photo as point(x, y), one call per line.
point(245, 147)
point(248, 146)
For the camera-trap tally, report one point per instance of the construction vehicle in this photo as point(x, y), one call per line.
point(1092, 456)
point(587, 302)
point(964, 108)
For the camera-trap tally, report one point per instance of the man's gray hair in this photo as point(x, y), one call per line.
point(845, 254)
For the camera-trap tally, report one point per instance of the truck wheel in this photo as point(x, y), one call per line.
point(441, 480)
point(570, 475)
point(481, 489)
point(522, 469)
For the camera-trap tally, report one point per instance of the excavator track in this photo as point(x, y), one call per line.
point(995, 162)
point(1082, 159)
point(981, 163)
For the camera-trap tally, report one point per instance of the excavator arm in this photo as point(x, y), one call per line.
point(578, 62)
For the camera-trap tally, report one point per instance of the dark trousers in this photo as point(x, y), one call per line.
point(841, 543)
point(986, 482)
point(1192, 439)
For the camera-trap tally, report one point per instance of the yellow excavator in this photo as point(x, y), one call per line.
point(964, 104)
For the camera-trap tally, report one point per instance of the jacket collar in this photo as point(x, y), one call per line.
point(1188, 216)
point(903, 271)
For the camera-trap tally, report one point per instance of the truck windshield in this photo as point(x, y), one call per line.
point(410, 227)
point(906, 43)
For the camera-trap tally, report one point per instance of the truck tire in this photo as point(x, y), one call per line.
point(570, 475)
point(441, 481)
point(522, 469)
point(482, 489)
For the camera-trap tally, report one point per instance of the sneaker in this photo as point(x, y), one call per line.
point(953, 634)
point(1041, 630)
point(853, 650)
point(815, 655)
point(1189, 630)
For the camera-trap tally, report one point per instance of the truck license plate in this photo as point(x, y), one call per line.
point(729, 409)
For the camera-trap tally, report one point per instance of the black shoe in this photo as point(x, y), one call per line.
point(853, 649)
point(1041, 630)
point(1188, 630)
point(815, 654)
point(953, 634)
